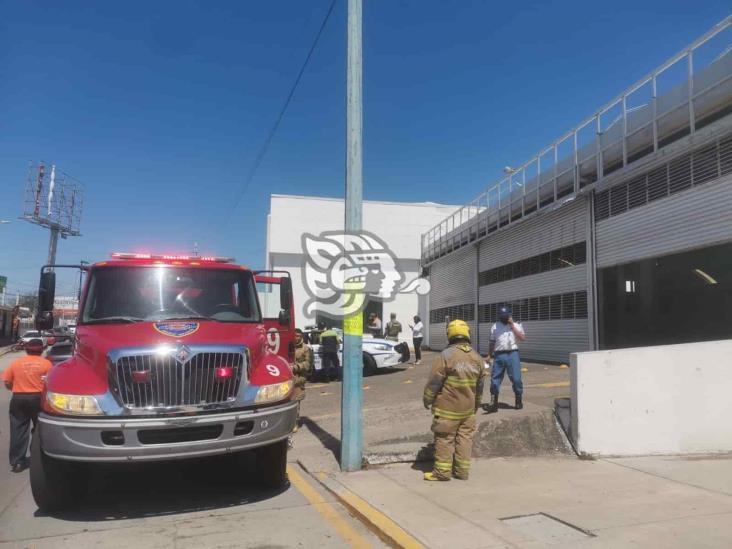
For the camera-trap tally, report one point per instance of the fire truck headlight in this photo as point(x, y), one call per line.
point(274, 392)
point(81, 405)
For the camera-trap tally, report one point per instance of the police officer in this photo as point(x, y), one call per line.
point(503, 349)
point(393, 328)
point(24, 377)
point(329, 346)
point(454, 391)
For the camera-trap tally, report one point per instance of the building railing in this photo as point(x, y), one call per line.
point(689, 91)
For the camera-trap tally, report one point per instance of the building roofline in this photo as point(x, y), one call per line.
point(387, 202)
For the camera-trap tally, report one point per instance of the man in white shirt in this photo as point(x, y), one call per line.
point(503, 349)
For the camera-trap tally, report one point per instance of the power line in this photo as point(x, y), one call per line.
point(267, 142)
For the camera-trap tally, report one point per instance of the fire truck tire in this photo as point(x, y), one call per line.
point(369, 364)
point(272, 464)
point(55, 484)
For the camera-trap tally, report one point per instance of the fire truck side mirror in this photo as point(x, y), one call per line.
point(284, 317)
point(46, 296)
point(285, 293)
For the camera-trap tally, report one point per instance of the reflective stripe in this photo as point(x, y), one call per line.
point(428, 393)
point(457, 382)
point(451, 415)
point(462, 463)
point(443, 466)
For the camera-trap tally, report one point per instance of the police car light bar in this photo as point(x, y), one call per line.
point(167, 257)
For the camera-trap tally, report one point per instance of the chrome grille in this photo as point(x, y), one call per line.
point(153, 380)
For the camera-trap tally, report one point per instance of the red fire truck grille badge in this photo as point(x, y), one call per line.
point(176, 328)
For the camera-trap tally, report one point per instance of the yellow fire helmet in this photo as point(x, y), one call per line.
point(458, 328)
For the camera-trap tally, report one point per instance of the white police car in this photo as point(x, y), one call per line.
point(377, 353)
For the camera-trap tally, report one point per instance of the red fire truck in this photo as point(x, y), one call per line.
point(175, 357)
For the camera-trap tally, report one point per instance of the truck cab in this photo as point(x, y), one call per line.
point(173, 358)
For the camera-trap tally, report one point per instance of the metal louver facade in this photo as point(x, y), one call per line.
point(542, 296)
point(683, 204)
point(453, 280)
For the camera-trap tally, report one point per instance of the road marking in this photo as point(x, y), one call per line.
point(327, 510)
point(407, 381)
point(380, 521)
point(553, 384)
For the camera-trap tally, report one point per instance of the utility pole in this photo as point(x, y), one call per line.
point(352, 390)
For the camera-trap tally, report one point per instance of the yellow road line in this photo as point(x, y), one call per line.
point(379, 520)
point(553, 384)
point(327, 510)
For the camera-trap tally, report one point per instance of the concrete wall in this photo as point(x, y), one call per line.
point(669, 399)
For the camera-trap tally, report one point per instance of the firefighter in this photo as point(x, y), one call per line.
point(393, 328)
point(24, 377)
point(303, 364)
point(454, 390)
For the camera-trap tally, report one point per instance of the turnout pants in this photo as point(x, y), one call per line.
point(506, 362)
point(453, 446)
point(23, 411)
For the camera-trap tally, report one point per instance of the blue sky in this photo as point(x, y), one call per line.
point(161, 107)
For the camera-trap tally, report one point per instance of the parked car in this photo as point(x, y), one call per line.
point(61, 351)
point(377, 353)
point(33, 334)
point(61, 334)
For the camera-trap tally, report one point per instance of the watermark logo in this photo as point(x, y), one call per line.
point(343, 271)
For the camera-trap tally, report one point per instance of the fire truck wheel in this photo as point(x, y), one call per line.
point(369, 364)
point(272, 464)
point(55, 484)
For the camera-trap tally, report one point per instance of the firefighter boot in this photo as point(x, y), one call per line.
point(519, 402)
point(432, 476)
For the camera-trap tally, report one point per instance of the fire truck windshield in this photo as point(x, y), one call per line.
point(135, 294)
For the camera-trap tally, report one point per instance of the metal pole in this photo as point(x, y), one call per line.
point(352, 391)
point(52, 243)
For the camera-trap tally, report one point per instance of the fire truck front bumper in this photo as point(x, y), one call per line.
point(162, 438)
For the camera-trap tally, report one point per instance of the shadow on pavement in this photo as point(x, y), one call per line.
point(326, 439)
point(119, 492)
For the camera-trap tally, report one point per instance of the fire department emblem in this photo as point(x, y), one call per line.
point(176, 328)
point(342, 272)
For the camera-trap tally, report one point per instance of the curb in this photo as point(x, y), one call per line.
point(386, 529)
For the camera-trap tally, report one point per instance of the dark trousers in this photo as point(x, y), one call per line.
point(331, 364)
point(24, 408)
point(417, 348)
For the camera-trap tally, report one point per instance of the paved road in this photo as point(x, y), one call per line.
point(204, 503)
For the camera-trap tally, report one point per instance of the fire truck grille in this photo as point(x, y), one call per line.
point(155, 381)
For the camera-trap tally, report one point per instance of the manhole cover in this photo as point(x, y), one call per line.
point(546, 528)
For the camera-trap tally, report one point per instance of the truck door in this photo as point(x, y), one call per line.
point(274, 289)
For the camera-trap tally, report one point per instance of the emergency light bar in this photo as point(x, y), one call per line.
point(167, 257)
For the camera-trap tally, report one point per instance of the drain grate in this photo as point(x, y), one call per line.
point(546, 528)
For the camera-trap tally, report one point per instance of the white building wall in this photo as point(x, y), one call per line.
point(400, 225)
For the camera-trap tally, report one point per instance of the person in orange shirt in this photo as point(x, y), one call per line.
point(25, 377)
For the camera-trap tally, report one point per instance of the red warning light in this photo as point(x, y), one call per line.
point(224, 373)
point(141, 376)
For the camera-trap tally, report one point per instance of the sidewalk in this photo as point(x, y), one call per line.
point(629, 502)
